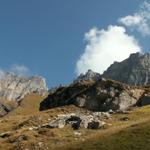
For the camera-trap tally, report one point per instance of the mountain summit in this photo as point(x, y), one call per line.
point(134, 70)
point(89, 75)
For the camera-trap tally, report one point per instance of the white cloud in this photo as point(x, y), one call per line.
point(104, 47)
point(131, 20)
point(140, 20)
point(20, 70)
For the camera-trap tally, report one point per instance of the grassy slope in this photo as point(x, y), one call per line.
point(133, 134)
point(29, 105)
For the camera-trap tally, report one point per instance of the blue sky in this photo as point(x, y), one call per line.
point(47, 36)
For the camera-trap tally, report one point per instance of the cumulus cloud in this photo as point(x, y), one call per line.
point(140, 20)
point(104, 47)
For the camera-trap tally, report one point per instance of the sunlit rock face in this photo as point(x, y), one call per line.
point(13, 87)
point(134, 71)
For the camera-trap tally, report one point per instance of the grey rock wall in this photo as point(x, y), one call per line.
point(134, 71)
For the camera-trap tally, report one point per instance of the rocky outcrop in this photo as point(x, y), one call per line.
point(134, 71)
point(101, 95)
point(64, 95)
point(13, 87)
point(76, 121)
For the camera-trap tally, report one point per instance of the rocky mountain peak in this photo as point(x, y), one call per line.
point(135, 70)
point(89, 75)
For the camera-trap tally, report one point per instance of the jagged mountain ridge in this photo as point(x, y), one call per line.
point(135, 70)
point(13, 87)
point(94, 91)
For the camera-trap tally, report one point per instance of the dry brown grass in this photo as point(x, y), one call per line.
point(28, 115)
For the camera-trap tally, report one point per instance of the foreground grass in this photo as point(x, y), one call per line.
point(135, 137)
point(133, 134)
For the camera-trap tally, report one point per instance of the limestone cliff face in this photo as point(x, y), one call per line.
point(135, 70)
point(13, 87)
